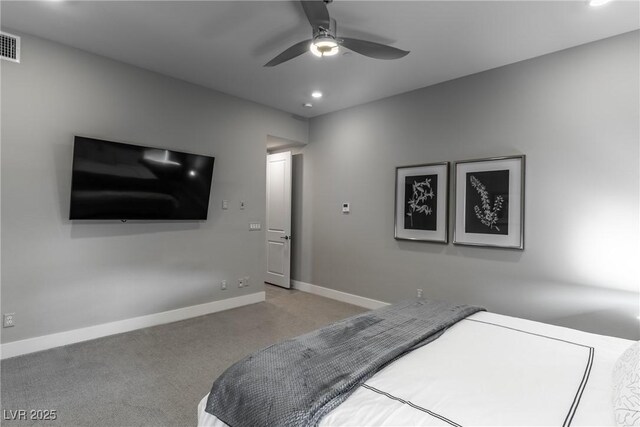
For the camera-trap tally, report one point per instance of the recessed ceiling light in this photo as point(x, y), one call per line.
point(316, 94)
point(307, 104)
point(598, 2)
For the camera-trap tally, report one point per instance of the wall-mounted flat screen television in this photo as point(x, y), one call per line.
point(111, 180)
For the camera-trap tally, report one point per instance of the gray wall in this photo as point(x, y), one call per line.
point(59, 275)
point(574, 113)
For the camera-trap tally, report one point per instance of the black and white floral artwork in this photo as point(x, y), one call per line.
point(487, 204)
point(422, 201)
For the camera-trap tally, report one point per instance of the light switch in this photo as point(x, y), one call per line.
point(346, 208)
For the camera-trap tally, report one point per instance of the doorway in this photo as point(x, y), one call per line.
point(278, 219)
point(282, 154)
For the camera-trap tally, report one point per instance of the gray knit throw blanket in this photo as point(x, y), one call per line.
point(298, 381)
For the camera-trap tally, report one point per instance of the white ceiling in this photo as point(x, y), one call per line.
point(224, 44)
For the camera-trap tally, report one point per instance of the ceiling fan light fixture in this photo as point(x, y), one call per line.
point(324, 46)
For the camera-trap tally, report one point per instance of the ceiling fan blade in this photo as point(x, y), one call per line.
point(294, 51)
point(317, 13)
point(373, 50)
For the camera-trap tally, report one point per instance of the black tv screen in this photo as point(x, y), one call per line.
point(111, 180)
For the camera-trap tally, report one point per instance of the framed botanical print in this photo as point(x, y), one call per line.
point(489, 202)
point(422, 201)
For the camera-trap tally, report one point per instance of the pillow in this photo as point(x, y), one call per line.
point(626, 387)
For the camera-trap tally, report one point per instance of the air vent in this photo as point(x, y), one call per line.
point(9, 47)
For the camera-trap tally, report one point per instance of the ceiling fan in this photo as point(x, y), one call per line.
point(325, 42)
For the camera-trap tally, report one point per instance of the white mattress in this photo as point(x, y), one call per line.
point(488, 369)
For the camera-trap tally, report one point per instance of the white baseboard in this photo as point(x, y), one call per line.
point(31, 345)
point(338, 295)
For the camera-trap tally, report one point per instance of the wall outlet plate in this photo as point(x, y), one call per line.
point(346, 207)
point(8, 320)
point(240, 283)
point(225, 204)
point(223, 285)
point(419, 293)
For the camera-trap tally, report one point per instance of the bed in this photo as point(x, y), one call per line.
point(490, 369)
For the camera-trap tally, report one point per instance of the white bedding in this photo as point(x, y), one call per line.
point(488, 369)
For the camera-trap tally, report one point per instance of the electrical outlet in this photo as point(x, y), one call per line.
point(8, 320)
point(419, 292)
point(246, 280)
point(240, 283)
point(223, 285)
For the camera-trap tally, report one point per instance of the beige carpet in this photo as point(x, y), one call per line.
point(156, 376)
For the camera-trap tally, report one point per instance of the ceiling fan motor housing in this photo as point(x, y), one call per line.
point(322, 31)
point(324, 41)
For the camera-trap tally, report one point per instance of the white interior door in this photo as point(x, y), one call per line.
point(279, 219)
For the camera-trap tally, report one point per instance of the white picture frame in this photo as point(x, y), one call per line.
point(422, 203)
point(489, 202)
